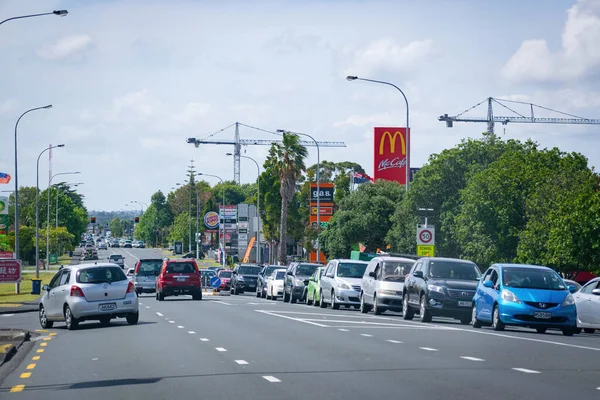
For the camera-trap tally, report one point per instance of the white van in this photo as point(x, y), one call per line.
point(383, 283)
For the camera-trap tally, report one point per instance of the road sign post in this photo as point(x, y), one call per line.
point(215, 282)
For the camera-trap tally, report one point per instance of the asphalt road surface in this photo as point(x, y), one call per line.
point(241, 347)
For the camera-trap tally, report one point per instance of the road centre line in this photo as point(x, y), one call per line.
point(366, 335)
point(171, 322)
point(428, 348)
point(394, 341)
point(17, 388)
point(191, 332)
point(31, 366)
point(471, 358)
point(25, 375)
point(292, 318)
point(241, 362)
point(204, 339)
point(159, 314)
point(527, 371)
point(35, 358)
point(343, 330)
point(180, 326)
point(368, 323)
point(271, 379)
point(220, 349)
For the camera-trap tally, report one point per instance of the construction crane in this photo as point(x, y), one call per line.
point(520, 118)
point(237, 144)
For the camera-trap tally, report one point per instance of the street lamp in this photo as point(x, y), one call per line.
point(37, 211)
point(221, 226)
point(62, 13)
point(73, 184)
point(141, 203)
point(356, 78)
point(17, 180)
point(48, 212)
point(318, 187)
point(257, 206)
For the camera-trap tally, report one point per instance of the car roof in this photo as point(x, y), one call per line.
point(508, 266)
point(349, 260)
point(151, 259)
point(456, 260)
point(392, 258)
point(178, 260)
point(89, 265)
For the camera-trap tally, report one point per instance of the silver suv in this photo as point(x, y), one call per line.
point(144, 277)
point(341, 283)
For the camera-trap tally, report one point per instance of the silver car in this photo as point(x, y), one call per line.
point(146, 271)
point(84, 292)
point(341, 283)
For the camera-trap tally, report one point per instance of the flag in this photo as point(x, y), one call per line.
point(4, 178)
point(362, 247)
point(361, 178)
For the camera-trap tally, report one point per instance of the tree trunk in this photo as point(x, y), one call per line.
point(283, 230)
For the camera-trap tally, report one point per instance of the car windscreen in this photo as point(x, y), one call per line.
point(225, 274)
point(306, 269)
point(351, 270)
point(181, 267)
point(116, 257)
point(269, 270)
point(532, 278)
point(149, 268)
point(207, 273)
point(100, 274)
point(280, 275)
point(396, 271)
point(248, 270)
point(453, 270)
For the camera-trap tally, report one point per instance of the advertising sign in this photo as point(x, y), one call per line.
point(390, 154)
point(325, 193)
point(323, 211)
point(211, 220)
point(10, 271)
point(7, 255)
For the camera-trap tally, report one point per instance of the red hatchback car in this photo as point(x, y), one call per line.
point(179, 277)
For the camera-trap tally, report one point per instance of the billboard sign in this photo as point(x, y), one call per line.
point(10, 271)
point(211, 220)
point(325, 193)
point(390, 154)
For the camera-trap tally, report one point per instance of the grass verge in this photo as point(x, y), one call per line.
point(7, 290)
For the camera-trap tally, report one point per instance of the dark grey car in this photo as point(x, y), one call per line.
point(296, 279)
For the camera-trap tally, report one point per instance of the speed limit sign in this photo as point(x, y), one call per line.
point(426, 236)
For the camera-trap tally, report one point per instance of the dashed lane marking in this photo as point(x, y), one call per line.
point(41, 330)
point(147, 306)
point(47, 338)
point(43, 344)
point(191, 332)
point(527, 371)
point(7, 315)
point(343, 330)
point(171, 322)
point(35, 358)
point(180, 326)
point(39, 351)
point(17, 388)
point(241, 362)
point(159, 314)
point(31, 366)
point(271, 379)
point(204, 339)
point(292, 318)
point(366, 335)
point(220, 349)
point(471, 358)
point(394, 341)
point(222, 302)
point(428, 349)
point(53, 334)
point(25, 375)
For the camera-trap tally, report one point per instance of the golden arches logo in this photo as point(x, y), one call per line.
point(392, 141)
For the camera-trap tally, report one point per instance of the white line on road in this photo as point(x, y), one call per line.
point(203, 339)
point(220, 349)
point(471, 358)
point(7, 315)
point(428, 349)
point(147, 306)
point(141, 304)
point(527, 371)
point(394, 341)
point(343, 330)
point(292, 318)
point(191, 332)
point(366, 335)
point(171, 322)
point(271, 379)
point(159, 314)
point(241, 362)
point(221, 302)
point(180, 326)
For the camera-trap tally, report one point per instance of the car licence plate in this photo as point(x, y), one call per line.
point(108, 306)
point(542, 315)
point(465, 304)
point(182, 279)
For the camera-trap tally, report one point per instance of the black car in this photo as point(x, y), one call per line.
point(244, 278)
point(261, 283)
point(296, 279)
point(440, 287)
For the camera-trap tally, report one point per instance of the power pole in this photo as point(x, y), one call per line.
point(237, 149)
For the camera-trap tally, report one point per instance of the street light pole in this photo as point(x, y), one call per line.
point(37, 211)
point(61, 13)
point(17, 255)
point(318, 187)
point(355, 78)
point(221, 226)
point(48, 214)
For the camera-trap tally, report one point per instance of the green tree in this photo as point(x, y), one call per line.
point(181, 228)
point(116, 227)
point(270, 201)
point(60, 240)
point(145, 230)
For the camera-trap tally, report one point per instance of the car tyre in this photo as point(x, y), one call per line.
point(44, 322)
point(376, 309)
point(588, 330)
point(407, 312)
point(474, 321)
point(309, 301)
point(497, 324)
point(293, 299)
point(578, 330)
point(105, 321)
point(286, 297)
point(161, 296)
point(322, 303)
point(541, 330)
point(363, 307)
point(258, 292)
point(424, 314)
point(132, 319)
point(263, 294)
point(316, 302)
point(268, 295)
point(70, 320)
point(568, 331)
point(334, 305)
point(197, 295)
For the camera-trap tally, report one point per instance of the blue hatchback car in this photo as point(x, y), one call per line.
point(524, 295)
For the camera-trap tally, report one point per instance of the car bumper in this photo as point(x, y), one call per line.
point(145, 287)
point(389, 301)
point(172, 290)
point(347, 297)
point(439, 305)
point(523, 315)
point(84, 309)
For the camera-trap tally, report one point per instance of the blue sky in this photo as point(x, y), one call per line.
point(131, 80)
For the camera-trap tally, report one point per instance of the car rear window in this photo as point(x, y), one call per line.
point(225, 274)
point(181, 267)
point(280, 275)
point(115, 257)
point(100, 274)
point(306, 269)
point(149, 268)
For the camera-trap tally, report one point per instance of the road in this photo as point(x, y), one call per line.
point(227, 347)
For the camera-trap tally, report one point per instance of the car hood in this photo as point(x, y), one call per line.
point(454, 283)
point(539, 295)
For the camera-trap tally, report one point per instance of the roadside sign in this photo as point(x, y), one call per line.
point(426, 236)
point(7, 255)
point(10, 271)
point(425, 251)
point(215, 282)
point(323, 211)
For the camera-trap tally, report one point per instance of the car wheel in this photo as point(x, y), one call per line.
point(474, 321)
point(161, 296)
point(316, 302)
point(309, 301)
point(286, 297)
point(363, 307)
point(322, 303)
point(424, 314)
point(44, 322)
point(104, 321)
point(541, 330)
point(497, 324)
point(568, 332)
point(376, 309)
point(258, 292)
point(231, 291)
point(334, 305)
point(578, 330)
point(197, 295)
point(407, 312)
point(133, 319)
point(293, 299)
point(268, 295)
point(263, 294)
point(70, 320)
point(588, 330)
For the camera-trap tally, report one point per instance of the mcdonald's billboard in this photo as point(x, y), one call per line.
point(390, 154)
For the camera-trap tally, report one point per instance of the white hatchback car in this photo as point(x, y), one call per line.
point(84, 292)
point(275, 284)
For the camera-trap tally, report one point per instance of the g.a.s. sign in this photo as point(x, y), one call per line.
point(391, 154)
point(211, 219)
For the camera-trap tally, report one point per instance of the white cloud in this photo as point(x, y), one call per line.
point(578, 57)
point(8, 107)
point(194, 113)
point(387, 55)
point(364, 120)
point(70, 47)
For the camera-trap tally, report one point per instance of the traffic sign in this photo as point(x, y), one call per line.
point(426, 251)
point(426, 236)
point(215, 282)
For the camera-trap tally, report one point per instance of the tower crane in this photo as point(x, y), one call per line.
point(238, 143)
point(491, 119)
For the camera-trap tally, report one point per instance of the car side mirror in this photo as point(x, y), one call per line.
point(234, 272)
point(312, 279)
point(45, 287)
point(488, 284)
point(596, 292)
point(290, 273)
point(418, 274)
point(572, 288)
point(372, 274)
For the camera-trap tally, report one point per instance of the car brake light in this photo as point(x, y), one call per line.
point(137, 267)
point(76, 292)
point(131, 287)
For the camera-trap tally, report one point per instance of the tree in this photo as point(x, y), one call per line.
point(181, 228)
point(289, 165)
point(116, 227)
point(60, 240)
point(270, 200)
point(145, 230)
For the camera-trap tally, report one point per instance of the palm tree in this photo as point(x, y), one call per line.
point(289, 166)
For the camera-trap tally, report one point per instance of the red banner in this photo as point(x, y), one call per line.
point(391, 154)
point(10, 271)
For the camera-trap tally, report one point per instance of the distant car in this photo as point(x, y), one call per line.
point(117, 259)
point(296, 280)
point(128, 244)
point(115, 243)
point(587, 300)
point(275, 283)
point(84, 292)
point(130, 273)
point(179, 277)
point(140, 244)
point(314, 287)
point(225, 277)
point(146, 271)
point(261, 282)
point(244, 278)
point(102, 246)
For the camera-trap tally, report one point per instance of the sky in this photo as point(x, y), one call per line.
point(131, 80)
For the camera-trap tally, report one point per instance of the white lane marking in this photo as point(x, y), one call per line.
point(159, 314)
point(369, 323)
point(343, 330)
point(271, 379)
point(171, 322)
point(222, 302)
point(471, 358)
point(598, 388)
point(254, 304)
point(203, 339)
point(393, 341)
point(7, 315)
point(141, 303)
point(428, 349)
point(180, 326)
point(527, 371)
point(220, 349)
point(366, 335)
point(191, 332)
point(147, 306)
point(94, 359)
point(241, 362)
point(131, 254)
point(292, 318)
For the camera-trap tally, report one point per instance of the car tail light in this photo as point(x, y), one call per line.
point(137, 267)
point(131, 287)
point(76, 292)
